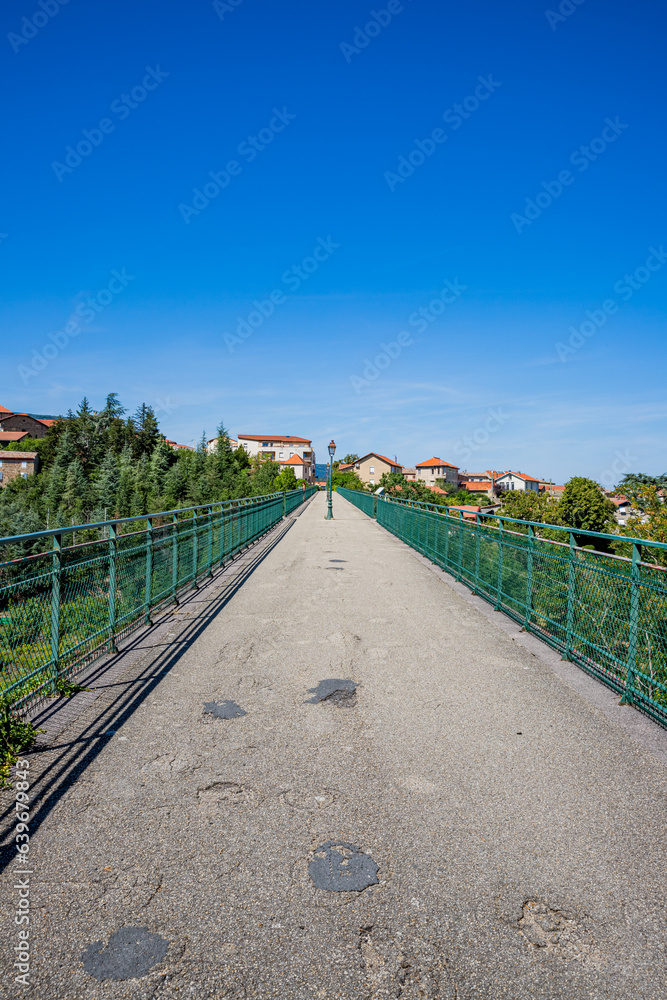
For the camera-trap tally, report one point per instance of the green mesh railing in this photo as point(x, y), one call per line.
point(62, 607)
point(606, 613)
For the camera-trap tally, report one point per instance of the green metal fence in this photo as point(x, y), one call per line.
point(63, 604)
point(604, 612)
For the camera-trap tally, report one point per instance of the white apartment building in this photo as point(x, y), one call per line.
point(282, 448)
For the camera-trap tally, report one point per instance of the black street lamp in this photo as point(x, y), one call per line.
point(332, 452)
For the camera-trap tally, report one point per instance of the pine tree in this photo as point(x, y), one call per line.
point(106, 487)
point(147, 430)
point(74, 496)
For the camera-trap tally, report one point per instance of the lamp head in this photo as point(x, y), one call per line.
point(332, 448)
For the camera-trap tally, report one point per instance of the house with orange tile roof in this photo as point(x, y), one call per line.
point(300, 466)
point(35, 427)
point(436, 468)
point(373, 466)
point(9, 437)
point(483, 488)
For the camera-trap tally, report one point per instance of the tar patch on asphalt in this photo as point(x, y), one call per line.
point(223, 709)
point(339, 692)
point(130, 953)
point(340, 867)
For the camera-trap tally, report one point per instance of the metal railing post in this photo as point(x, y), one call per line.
point(477, 544)
point(148, 593)
point(499, 582)
point(571, 584)
point(195, 548)
point(529, 577)
point(222, 533)
point(56, 569)
point(635, 585)
point(174, 557)
point(284, 501)
point(113, 548)
point(209, 534)
point(446, 539)
point(460, 566)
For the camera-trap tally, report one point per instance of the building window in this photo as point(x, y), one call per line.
point(24, 475)
point(371, 468)
point(281, 455)
point(24, 465)
point(265, 444)
point(371, 482)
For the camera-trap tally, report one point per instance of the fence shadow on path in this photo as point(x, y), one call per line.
point(69, 760)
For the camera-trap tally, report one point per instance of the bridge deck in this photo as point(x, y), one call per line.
point(517, 829)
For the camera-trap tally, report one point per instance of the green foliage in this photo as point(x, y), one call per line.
point(528, 505)
point(584, 505)
point(639, 479)
point(348, 479)
point(460, 498)
point(285, 481)
point(446, 486)
point(15, 737)
point(66, 689)
point(98, 466)
point(396, 485)
point(648, 519)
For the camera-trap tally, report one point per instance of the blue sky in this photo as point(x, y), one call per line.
point(478, 379)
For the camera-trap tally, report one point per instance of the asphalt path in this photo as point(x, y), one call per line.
point(455, 820)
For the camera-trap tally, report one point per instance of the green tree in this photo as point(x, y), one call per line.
point(639, 479)
point(648, 519)
point(106, 488)
point(73, 501)
point(285, 481)
point(528, 505)
point(264, 473)
point(584, 505)
point(147, 430)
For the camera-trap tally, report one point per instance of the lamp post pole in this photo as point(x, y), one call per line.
point(332, 452)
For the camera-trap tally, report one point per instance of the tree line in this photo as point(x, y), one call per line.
point(95, 466)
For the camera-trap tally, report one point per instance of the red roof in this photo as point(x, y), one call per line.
point(294, 460)
point(13, 435)
point(46, 421)
point(18, 456)
point(3, 409)
point(435, 461)
point(465, 507)
point(383, 458)
point(477, 487)
point(286, 439)
point(520, 475)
